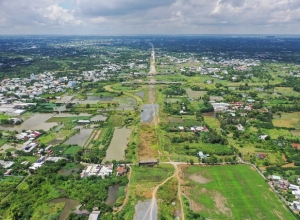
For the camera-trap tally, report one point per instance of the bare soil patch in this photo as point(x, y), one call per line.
point(288, 165)
point(147, 136)
point(221, 202)
point(199, 179)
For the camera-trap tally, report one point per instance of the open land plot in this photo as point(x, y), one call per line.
point(2, 141)
point(142, 181)
point(195, 94)
point(7, 184)
point(212, 122)
point(55, 137)
point(65, 99)
point(71, 115)
point(99, 118)
point(296, 132)
point(216, 98)
point(80, 138)
point(118, 144)
point(286, 91)
point(288, 120)
point(126, 102)
point(173, 100)
point(67, 119)
point(233, 192)
point(275, 133)
point(72, 150)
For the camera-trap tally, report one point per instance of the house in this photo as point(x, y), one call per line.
point(82, 212)
point(240, 127)
point(121, 170)
point(263, 137)
point(295, 205)
point(294, 187)
point(261, 156)
point(83, 122)
point(274, 177)
point(295, 146)
point(6, 164)
point(202, 155)
point(181, 128)
point(94, 215)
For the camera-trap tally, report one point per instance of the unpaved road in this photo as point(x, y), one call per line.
point(149, 213)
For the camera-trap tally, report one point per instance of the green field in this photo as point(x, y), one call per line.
point(233, 192)
point(288, 120)
point(72, 150)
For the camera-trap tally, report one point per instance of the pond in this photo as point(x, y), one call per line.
point(80, 138)
point(148, 112)
point(69, 205)
point(118, 144)
point(67, 172)
point(36, 122)
point(112, 194)
point(210, 114)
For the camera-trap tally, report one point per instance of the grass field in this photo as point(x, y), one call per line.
point(212, 122)
point(2, 141)
point(31, 159)
point(233, 192)
point(286, 91)
point(67, 119)
point(72, 150)
point(288, 120)
point(7, 184)
point(275, 133)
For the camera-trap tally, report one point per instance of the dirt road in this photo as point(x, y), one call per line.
point(149, 212)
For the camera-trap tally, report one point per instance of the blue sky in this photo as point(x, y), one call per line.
point(109, 17)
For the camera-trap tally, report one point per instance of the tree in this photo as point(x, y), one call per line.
point(87, 105)
point(191, 161)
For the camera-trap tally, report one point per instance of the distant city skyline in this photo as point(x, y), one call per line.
point(117, 17)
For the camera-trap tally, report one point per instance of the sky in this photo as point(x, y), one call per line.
point(117, 17)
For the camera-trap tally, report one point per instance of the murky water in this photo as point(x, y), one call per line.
point(112, 194)
point(210, 114)
point(37, 121)
point(69, 205)
point(118, 144)
point(80, 138)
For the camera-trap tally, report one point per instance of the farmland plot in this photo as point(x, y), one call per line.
point(232, 192)
point(116, 149)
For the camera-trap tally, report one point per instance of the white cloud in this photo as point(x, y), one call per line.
point(150, 17)
point(60, 16)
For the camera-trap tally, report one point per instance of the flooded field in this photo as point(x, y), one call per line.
point(65, 99)
point(140, 94)
point(99, 118)
point(112, 194)
point(148, 112)
point(35, 122)
point(80, 138)
point(69, 205)
point(100, 98)
point(67, 172)
point(195, 94)
point(71, 115)
point(142, 210)
point(210, 114)
point(118, 144)
point(216, 98)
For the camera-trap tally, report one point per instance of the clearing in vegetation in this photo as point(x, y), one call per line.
point(232, 192)
point(287, 120)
